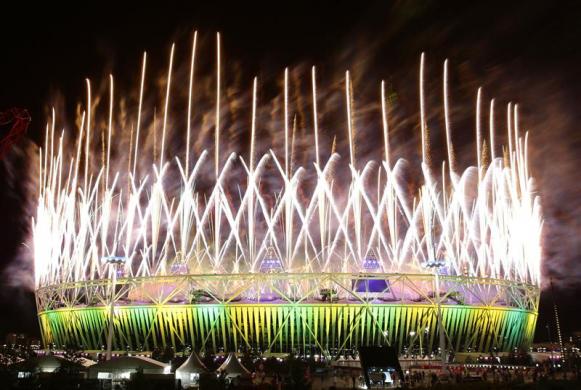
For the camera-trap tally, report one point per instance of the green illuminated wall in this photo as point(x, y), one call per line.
point(288, 327)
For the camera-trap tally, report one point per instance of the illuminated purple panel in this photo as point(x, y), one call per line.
point(370, 285)
point(271, 262)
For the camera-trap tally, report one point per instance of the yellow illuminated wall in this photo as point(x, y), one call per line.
point(287, 327)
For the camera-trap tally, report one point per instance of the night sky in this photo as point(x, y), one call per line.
point(527, 52)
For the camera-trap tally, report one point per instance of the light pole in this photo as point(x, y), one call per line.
point(413, 356)
point(436, 265)
point(114, 262)
point(426, 333)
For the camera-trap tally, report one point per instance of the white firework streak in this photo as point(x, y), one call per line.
point(86, 213)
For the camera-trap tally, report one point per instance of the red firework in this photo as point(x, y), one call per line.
point(13, 125)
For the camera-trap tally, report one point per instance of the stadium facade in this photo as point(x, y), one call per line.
point(478, 314)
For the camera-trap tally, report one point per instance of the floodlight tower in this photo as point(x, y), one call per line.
point(436, 265)
point(114, 263)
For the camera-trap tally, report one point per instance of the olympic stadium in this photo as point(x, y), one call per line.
point(156, 245)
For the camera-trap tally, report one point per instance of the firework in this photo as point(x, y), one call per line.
point(210, 243)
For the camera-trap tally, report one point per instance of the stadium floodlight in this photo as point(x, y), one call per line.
point(114, 262)
point(436, 265)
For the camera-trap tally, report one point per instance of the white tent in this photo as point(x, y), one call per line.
point(48, 363)
point(232, 367)
point(189, 372)
point(123, 366)
point(45, 363)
